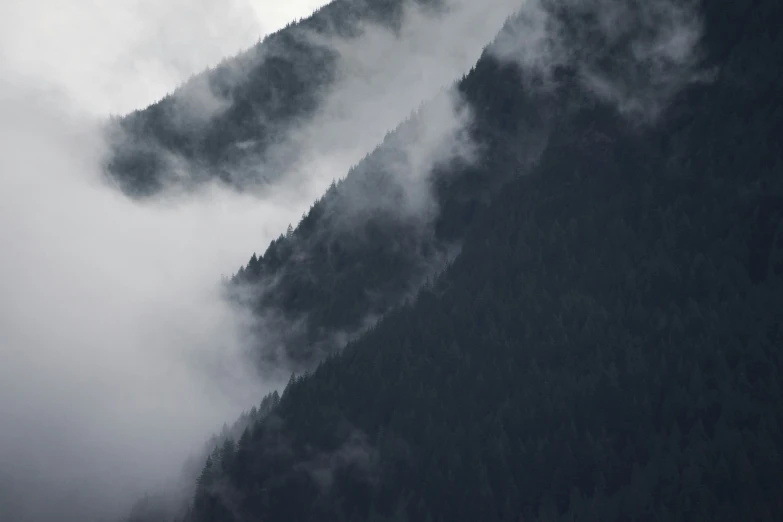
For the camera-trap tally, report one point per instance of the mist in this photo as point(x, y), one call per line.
point(384, 76)
point(634, 55)
point(118, 358)
point(115, 57)
point(379, 76)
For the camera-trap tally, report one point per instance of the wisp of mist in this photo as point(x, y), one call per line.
point(117, 356)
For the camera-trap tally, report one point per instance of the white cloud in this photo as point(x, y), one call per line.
point(119, 55)
point(634, 54)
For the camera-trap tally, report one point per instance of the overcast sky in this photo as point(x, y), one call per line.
point(119, 55)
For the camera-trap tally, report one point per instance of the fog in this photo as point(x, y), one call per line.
point(117, 358)
point(117, 56)
point(384, 76)
point(381, 75)
point(393, 88)
point(633, 54)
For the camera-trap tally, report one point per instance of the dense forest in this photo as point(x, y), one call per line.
point(606, 342)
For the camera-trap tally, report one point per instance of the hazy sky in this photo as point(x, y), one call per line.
point(119, 55)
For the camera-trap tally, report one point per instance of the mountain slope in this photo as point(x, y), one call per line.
point(606, 346)
point(256, 117)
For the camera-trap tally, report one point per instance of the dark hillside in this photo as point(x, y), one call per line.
point(606, 346)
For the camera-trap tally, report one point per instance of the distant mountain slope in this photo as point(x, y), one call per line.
point(249, 99)
point(247, 121)
point(606, 346)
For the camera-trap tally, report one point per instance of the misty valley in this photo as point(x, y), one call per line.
point(398, 260)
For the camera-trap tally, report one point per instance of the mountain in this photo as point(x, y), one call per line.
point(230, 115)
point(376, 235)
point(584, 325)
point(245, 123)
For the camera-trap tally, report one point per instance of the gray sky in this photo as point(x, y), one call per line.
point(119, 55)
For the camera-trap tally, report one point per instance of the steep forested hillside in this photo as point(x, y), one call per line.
point(222, 123)
point(357, 252)
point(606, 345)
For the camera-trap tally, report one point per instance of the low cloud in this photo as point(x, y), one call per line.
point(118, 56)
point(117, 355)
point(354, 453)
point(378, 76)
point(636, 55)
point(399, 174)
